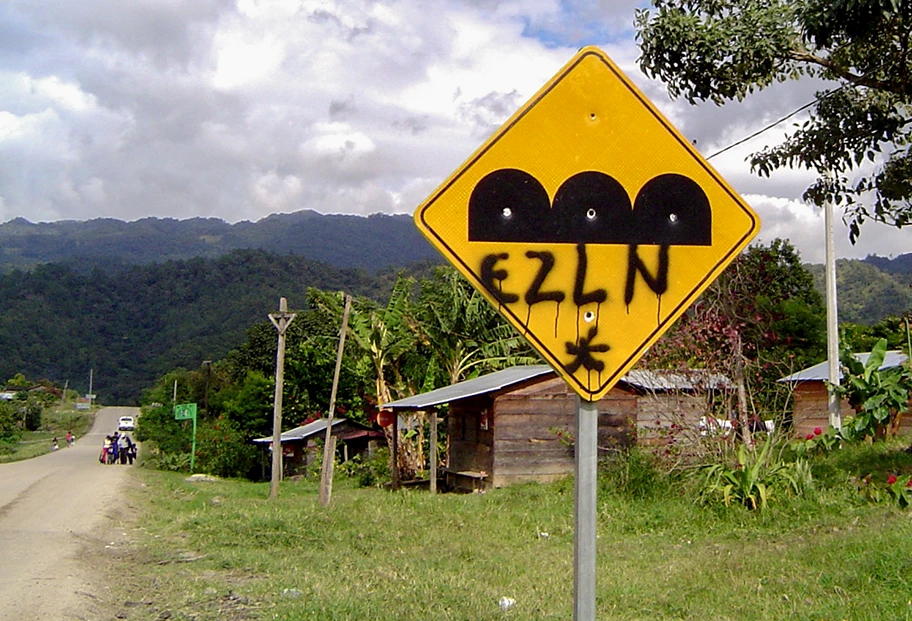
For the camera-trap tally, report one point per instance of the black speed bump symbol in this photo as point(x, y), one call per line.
point(510, 205)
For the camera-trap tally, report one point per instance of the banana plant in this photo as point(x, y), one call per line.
point(878, 396)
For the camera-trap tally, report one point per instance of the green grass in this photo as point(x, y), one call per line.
point(223, 550)
point(55, 422)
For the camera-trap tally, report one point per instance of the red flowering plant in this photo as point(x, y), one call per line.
point(818, 442)
point(896, 489)
point(564, 435)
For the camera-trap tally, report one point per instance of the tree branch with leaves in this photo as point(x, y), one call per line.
point(858, 135)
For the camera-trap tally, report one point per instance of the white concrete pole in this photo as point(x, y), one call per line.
point(832, 320)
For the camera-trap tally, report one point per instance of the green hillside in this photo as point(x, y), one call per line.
point(135, 324)
point(871, 289)
point(372, 243)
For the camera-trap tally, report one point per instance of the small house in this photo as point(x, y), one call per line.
point(810, 400)
point(300, 449)
point(517, 424)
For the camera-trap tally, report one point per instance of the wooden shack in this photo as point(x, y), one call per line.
point(300, 448)
point(518, 424)
point(810, 401)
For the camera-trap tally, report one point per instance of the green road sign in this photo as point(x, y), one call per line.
point(185, 411)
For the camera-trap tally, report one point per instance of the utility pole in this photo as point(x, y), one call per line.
point(832, 319)
point(208, 364)
point(281, 321)
point(91, 394)
point(329, 445)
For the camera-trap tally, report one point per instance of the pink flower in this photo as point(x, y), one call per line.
point(809, 436)
point(891, 479)
point(817, 431)
point(909, 483)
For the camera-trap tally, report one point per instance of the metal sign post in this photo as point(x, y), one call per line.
point(187, 411)
point(584, 505)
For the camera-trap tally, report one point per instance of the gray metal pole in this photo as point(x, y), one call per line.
point(586, 452)
point(832, 320)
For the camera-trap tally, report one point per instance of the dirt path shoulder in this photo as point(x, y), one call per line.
point(51, 509)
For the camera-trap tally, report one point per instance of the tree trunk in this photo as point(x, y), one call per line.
point(743, 422)
point(406, 462)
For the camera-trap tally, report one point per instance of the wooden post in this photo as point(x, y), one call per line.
point(433, 451)
point(281, 321)
point(395, 455)
point(329, 445)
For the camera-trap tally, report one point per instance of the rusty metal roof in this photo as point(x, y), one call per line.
point(661, 381)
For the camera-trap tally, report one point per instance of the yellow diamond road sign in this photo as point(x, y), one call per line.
point(589, 222)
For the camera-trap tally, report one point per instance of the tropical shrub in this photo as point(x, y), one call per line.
point(754, 477)
point(222, 449)
point(174, 462)
point(369, 471)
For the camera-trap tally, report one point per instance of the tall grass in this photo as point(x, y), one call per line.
point(210, 549)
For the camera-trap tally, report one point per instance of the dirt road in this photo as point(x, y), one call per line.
point(51, 508)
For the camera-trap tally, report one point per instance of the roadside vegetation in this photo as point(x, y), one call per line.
point(220, 550)
point(35, 415)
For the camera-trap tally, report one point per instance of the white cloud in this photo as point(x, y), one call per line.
point(245, 63)
point(238, 109)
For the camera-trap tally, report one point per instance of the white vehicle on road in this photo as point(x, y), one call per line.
point(126, 423)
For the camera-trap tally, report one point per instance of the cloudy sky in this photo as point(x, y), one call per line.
point(240, 109)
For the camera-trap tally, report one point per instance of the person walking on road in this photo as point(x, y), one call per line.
point(71, 439)
point(122, 446)
point(131, 449)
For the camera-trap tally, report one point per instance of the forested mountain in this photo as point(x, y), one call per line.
point(343, 241)
point(133, 325)
point(870, 289)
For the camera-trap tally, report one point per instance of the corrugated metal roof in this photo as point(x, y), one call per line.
point(471, 388)
point(695, 379)
point(308, 430)
point(647, 380)
point(893, 358)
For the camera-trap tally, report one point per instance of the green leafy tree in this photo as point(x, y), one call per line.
point(760, 320)
point(157, 426)
point(18, 381)
point(895, 330)
point(462, 333)
point(249, 404)
point(721, 50)
point(32, 411)
point(223, 449)
point(9, 427)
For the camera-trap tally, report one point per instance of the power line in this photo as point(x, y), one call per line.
point(775, 123)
